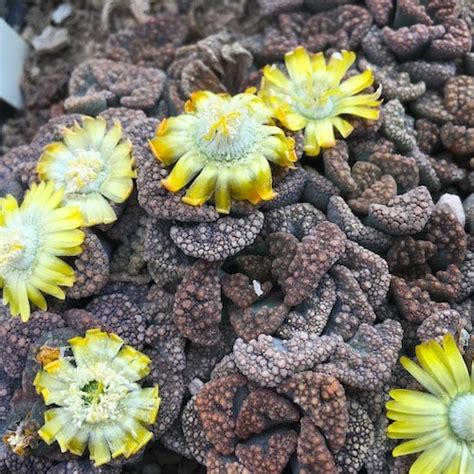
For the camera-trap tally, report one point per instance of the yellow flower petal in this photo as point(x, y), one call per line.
point(53, 424)
point(118, 440)
point(421, 443)
point(38, 280)
point(63, 219)
point(298, 64)
point(133, 364)
point(57, 150)
point(280, 150)
point(318, 63)
point(202, 188)
point(117, 189)
point(36, 297)
point(414, 402)
point(42, 197)
point(98, 448)
point(59, 241)
point(276, 77)
point(462, 461)
point(95, 346)
point(66, 435)
point(433, 365)
point(54, 277)
point(466, 465)
point(21, 295)
point(75, 139)
point(453, 359)
point(185, 170)
point(95, 129)
point(169, 148)
point(263, 178)
point(139, 433)
point(369, 100)
point(78, 443)
point(111, 139)
point(342, 126)
point(424, 378)
point(365, 112)
point(358, 83)
point(311, 145)
point(338, 65)
point(121, 154)
point(416, 426)
point(222, 194)
point(242, 184)
point(324, 132)
point(290, 120)
point(95, 209)
point(435, 459)
point(198, 101)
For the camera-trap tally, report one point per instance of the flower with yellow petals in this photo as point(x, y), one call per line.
point(98, 401)
point(225, 145)
point(313, 97)
point(32, 238)
point(438, 424)
point(92, 165)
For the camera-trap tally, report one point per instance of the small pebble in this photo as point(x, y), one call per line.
point(62, 12)
point(52, 39)
point(454, 202)
point(257, 287)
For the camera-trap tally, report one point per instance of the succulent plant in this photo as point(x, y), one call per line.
point(98, 400)
point(93, 165)
point(33, 236)
point(313, 97)
point(224, 144)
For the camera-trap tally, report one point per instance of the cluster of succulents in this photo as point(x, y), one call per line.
point(228, 142)
point(76, 176)
point(242, 218)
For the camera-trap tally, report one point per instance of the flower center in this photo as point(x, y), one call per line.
point(224, 125)
point(461, 417)
point(83, 170)
point(226, 136)
point(314, 99)
point(96, 394)
point(92, 391)
point(17, 248)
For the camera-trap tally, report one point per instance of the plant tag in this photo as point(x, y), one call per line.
point(13, 52)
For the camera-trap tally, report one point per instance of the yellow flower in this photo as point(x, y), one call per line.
point(439, 424)
point(91, 165)
point(99, 402)
point(32, 237)
point(313, 97)
point(227, 142)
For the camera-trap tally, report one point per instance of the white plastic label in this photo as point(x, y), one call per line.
point(13, 52)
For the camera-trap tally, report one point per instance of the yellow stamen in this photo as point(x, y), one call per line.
point(221, 125)
point(83, 170)
point(10, 248)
